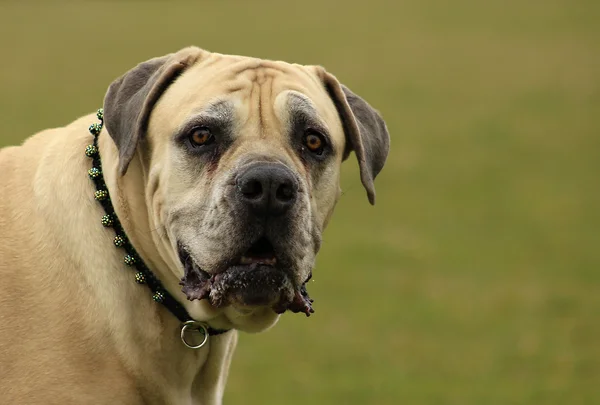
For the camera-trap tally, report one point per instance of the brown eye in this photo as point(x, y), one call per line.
point(201, 136)
point(314, 142)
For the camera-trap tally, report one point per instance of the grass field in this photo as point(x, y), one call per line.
point(476, 277)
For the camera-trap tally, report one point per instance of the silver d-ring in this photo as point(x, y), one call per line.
point(194, 325)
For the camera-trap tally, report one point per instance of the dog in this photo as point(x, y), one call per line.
point(208, 178)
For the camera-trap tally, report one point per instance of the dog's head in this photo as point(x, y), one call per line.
point(241, 162)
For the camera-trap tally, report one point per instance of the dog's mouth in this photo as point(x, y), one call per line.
point(261, 252)
point(255, 278)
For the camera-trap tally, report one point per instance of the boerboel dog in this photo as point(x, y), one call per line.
point(214, 177)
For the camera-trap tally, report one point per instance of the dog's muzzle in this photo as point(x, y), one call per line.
point(259, 271)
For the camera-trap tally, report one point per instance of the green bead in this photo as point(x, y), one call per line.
point(101, 195)
point(100, 114)
point(140, 278)
point(95, 129)
point(129, 260)
point(119, 241)
point(94, 173)
point(158, 296)
point(108, 221)
point(91, 151)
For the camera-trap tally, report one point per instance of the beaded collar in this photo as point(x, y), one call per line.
point(132, 259)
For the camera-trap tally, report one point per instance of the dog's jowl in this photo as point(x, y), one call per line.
point(136, 241)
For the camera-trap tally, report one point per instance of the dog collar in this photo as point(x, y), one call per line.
point(132, 259)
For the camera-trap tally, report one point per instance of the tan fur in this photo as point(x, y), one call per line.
point(74, 327)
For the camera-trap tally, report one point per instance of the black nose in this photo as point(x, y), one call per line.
point(267, 188)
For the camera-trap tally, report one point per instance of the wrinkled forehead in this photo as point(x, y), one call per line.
point(248, 90)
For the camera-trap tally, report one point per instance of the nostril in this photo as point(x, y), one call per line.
point(251, 189)
point(285, 193)
point(266, 189)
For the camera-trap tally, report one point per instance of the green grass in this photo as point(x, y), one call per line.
point(476, 278)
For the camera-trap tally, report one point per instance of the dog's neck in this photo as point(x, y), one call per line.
point(182, 372)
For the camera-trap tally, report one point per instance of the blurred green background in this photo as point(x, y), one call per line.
point(476, 277)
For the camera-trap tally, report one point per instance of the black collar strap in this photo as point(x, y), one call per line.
point(132, 258)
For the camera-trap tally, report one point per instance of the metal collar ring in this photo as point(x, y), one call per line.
point(193, 325)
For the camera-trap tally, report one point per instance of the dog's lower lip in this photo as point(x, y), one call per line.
point(198, 284)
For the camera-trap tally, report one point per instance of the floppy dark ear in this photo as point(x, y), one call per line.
point(366, 132)
point(131, 98)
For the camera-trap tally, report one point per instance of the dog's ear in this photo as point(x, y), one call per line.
point(131, 98)
point(366, 132)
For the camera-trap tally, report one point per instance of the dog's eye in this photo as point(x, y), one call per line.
point(314, 142)
point(201, 136)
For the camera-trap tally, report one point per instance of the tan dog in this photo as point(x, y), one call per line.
point(223, 172)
